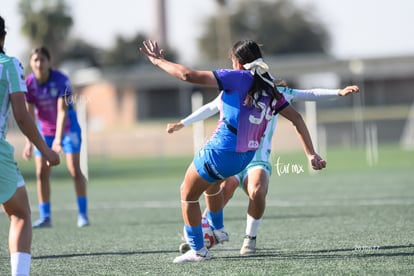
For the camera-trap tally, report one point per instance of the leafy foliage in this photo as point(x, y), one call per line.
point(46, 23)
point(280, 27)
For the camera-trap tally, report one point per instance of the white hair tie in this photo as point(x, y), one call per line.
point(259, 67)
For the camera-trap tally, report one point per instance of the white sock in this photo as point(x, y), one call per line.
point(252, 226)
point(20, 264)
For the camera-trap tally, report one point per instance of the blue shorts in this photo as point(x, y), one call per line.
point(71, 142)
point(215, 165)
point(254, 165)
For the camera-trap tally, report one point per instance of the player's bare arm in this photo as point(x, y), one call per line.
point(156, 55)
point(292, 115)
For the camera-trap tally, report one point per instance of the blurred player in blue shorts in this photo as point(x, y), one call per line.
point(254, 179)
point(49, 101)
point(247, 104)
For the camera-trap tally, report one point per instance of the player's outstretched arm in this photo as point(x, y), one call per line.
point(200, 114)
point(292, 115)
point(156, 55)
point(317, 94)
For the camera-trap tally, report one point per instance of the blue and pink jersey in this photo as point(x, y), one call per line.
point(45, 97)
point(240, 127)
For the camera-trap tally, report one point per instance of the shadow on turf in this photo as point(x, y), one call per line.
point(381, 251)
point(270, 253)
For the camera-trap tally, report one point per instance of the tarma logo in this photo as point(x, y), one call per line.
point(253, 144)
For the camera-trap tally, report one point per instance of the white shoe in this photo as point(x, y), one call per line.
point(249, 246)
point(83, 221)
point(194, 256)
point(221, 235)
point(42, 223)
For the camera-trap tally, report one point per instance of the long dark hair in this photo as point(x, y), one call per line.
point(2, 32)
point(247, 51)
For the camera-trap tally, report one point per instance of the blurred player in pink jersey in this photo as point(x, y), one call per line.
point(49, 100)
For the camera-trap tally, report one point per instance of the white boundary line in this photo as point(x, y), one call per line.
point(240, 203)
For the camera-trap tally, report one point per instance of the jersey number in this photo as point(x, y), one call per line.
point(265, 114)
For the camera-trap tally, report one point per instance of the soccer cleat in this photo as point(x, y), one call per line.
point(184, 247)
point(194, 256)
point(83, 221)
point(42, 223)
point(221, 235)
point(249, 246)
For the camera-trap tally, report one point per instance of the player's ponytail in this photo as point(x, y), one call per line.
point(2, 32)
point(248, 53)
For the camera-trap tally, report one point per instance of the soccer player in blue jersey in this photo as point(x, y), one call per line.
point(254, 179)
point(248, 102)
point(13, 194)
point(49, 100)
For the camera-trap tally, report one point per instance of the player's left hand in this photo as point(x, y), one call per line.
point(348, 90)
point(317, 162)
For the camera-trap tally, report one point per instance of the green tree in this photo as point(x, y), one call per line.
point(84, 52)
point(279, 26)
point(46, 23)
point(126, 51)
